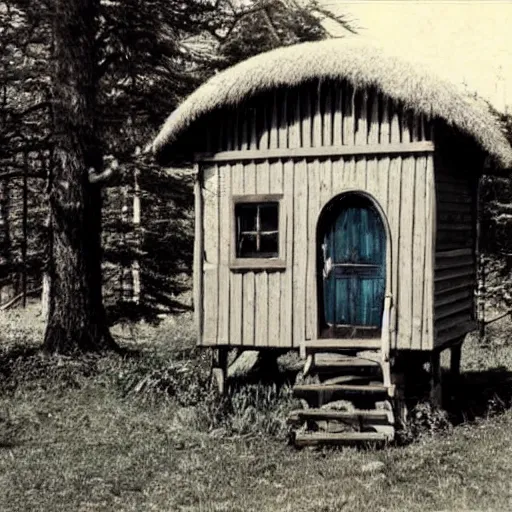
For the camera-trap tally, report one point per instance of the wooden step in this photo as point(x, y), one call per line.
point(346, 364)
point(348, 379)
point(334, 362)
point(334, 344)
point(340, 438)
point(346, 416)
point(342, 361)
point(336, 391)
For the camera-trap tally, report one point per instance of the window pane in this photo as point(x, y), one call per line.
point(269, 216)
point(257, 230)
point(247, 246)
point(269, 245)
point(246, 215)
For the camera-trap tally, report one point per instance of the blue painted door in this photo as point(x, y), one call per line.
point(354, 273)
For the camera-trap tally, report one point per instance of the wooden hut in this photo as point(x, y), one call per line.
point(336, 212)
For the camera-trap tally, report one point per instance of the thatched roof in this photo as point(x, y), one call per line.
point(351, 59)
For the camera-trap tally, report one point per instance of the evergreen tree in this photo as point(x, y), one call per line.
point(88, 78)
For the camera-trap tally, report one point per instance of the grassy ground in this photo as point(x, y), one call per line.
point(144, 433)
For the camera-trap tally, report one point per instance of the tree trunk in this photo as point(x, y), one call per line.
point(126, 274)
point(45, 293)
point(5, 243)
point(136, 231)
point(45, 296)
point(24, 228)
point(77, 320)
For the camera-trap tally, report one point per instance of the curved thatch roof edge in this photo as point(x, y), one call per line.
point(351, 59)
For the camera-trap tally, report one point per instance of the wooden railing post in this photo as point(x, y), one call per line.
point(385, 335)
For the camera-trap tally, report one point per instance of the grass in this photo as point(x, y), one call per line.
point(144, 432)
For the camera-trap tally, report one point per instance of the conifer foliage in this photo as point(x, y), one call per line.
point(85, 83)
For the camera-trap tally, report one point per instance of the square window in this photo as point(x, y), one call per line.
point(257, 230)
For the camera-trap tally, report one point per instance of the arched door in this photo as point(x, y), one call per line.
point(353, 273)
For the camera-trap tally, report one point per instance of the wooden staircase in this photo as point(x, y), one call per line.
point(346, 392)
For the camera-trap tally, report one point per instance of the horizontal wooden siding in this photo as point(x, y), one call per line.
point(455, 269)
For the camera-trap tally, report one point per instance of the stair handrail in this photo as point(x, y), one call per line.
point(385, 339)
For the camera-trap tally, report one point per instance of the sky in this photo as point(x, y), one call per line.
point(468, 42)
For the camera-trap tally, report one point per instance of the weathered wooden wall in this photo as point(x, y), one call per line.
point(278, 308)
point(455, 267)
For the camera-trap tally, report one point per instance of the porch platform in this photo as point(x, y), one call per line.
point(334, 344)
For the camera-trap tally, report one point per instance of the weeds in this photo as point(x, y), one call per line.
point(185, 381)
point(164, 368)
point(147, 432)
point(424, 420)
point(250, 409)
point(259, 409)
point(9, 430)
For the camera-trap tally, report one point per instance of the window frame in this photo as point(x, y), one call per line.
point(275, 263)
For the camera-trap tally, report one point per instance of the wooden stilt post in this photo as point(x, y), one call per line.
point(220, 368)
point(455, 356)
point(400, 405)
point(435, 379)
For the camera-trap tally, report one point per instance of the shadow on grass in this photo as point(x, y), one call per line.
point(30, 368)
point(475, 394)
point(13, 354)
point(478, 394)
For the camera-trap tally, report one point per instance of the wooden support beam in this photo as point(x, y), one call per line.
point(455, 357)
point(318, 152)
point(220, 368)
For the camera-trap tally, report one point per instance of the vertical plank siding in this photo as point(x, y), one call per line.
point(211, 245)
point(313, 211)
point(261, 279)
point(224, 230)
point(405, 253)
point(236, 318)
point(278, 307)
point(289, 201)
point(430, 206)
point(275, 185)
point(198, 254)
point(301, 246)
point(419, 242)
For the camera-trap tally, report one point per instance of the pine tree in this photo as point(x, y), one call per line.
point(116, 70)
point(77, 319)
